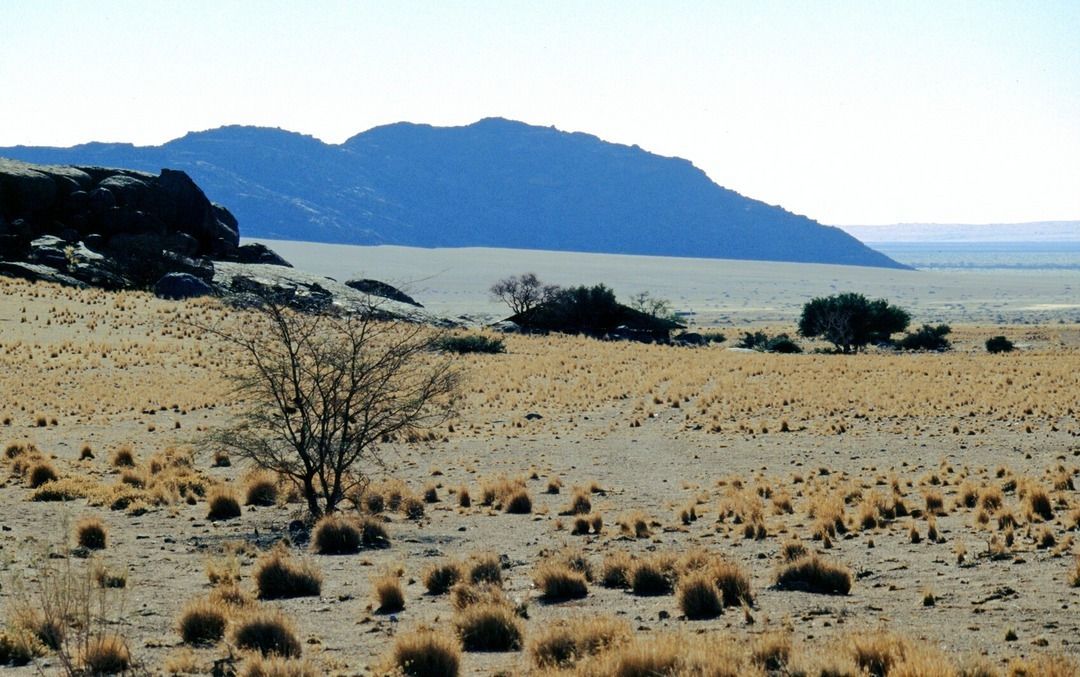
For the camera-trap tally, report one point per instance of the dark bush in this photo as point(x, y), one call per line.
point(759, 340)
point(928, 338)
point(999, 344)
point(850, 321)
point(471, 344)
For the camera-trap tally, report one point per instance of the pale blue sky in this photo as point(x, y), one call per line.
point(849, 112)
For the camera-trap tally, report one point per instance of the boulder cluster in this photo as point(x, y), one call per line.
point(116, 228)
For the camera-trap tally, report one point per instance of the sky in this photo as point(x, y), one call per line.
point(861, 112)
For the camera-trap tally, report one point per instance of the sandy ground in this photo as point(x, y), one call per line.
point(146, 382)
point(452, 282)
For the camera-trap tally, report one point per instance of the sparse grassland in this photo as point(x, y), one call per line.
point(705, 495)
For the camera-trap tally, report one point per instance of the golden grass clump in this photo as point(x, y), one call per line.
point(518, 503)
point(202, 622)
point(558, 582)
point(565, 643)
point(222, 504)
point(440, 577)
point(336, 534)
point(91, 533)
point(732, 581)
point(485, 568)
point(40, 473)
point(1038, 502)
point(277, 576)
point(698, 596)
point(276, 666)
point(489, 627)
point(261, 489)
point(123, 457)
point(772, 651)
point(269, 632)
point(105, 655)
point(464, 595)
point(425, 653)
point(19, 646)
point(616, 569)
point(388, 593)
point(580, 504)
point(814, 574)
point(651, 576)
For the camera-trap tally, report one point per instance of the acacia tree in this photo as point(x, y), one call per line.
point(849, 321)
point(322, 391)
point(523, 292)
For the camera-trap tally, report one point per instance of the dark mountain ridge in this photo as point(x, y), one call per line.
point(494, 183)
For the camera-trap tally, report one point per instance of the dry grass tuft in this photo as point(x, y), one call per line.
point(276, 666)
point(489, 627)
point(559, 582)
point(124, 457)
point(41, 473)
point(277, 576)
point(616, 570)
point(563, 644)
point(486, 568)
point(202, 622)
point(222, 504)
point(388, 593)
point(269, 632)
point(261, 489)
point(426, 653)
point(91, 533)
point(519, 503)
point(814, 574)
point(106, 655)
point(440, 577)
point(651, 576)
point(699, 598)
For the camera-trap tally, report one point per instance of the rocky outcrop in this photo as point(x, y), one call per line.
point(382, 290)
point(115, 228)
point(122, 229)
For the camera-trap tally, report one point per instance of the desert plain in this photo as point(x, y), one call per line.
point(940, 486)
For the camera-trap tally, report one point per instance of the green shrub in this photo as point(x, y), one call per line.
point(928, 338)
point(999, 344)
point(759, 340)
point(471, 344)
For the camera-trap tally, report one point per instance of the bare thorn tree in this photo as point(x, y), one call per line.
point(322, 391)
point(522, 292)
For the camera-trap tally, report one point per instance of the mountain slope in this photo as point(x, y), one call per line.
point(495, 183)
